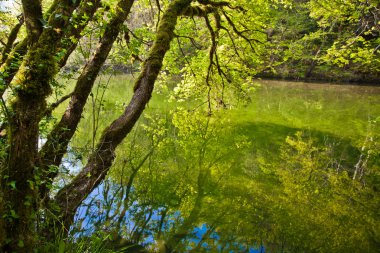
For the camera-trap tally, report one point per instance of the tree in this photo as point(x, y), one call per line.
point(335, 40)
point(28, 206)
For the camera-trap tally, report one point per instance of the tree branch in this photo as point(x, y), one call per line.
point(85, 13)
point(199, 10)
point(192, 40)
point(11, 66)
point(70, 197)
point(57, 141)
point(211, 60)
point(148, 43)
point(240, 33)
point(56, 104)
point(33, 15)
point(11, 39)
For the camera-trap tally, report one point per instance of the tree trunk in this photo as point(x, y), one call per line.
point(21, 178)
point(71, 196)
point(58, 140)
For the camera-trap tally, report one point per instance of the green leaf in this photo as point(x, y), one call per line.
point(62, 246)
point(13, 184)
point(21, 244)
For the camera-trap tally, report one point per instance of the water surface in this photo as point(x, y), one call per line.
point(295, 170)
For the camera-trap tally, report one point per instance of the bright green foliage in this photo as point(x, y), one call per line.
point(277, 173)
point(329, 198)
point(331, 40)
point(7, 19)
point(356, 25)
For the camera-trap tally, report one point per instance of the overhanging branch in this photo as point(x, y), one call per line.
point(84, 15)
point(57, 142)
point(70, 197)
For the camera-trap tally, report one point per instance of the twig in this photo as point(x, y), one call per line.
point(57, 103)
point(4, 107)
point(159, 13)
point(148, 43)
point(211, 60)
point(184, 57)
point(192, 40)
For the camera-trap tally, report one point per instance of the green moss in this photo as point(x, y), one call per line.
point(161, 45)
point(36, 73)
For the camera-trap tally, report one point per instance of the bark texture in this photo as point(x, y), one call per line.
point(32, 11)
point(20, 179)
point(58, 140)
point(71, 196)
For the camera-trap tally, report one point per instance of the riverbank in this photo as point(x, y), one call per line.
point(334, 76)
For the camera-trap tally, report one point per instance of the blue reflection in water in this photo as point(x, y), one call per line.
point(92, 213)
point(199, 232)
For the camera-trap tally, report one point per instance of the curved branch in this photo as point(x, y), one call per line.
point(11, 65)
point(57, 142)
point(240, 33)
point(148, 43)
point(54, 105)
point(11, 39)
point(192, 40)
point(70, 197)
point(85, 13)
point(213, 3)
point(199, 10)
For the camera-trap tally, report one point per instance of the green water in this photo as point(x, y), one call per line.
point(297, 169)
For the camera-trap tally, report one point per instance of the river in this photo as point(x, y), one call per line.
point(294, 168)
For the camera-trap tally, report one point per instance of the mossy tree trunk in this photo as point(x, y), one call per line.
point(20, 177)
point(57, 142)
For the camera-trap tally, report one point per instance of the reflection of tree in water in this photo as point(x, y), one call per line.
point(189, 187)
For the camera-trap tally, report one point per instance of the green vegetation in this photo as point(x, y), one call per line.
point(271, 169)
point(144, 126)
point(324, 40)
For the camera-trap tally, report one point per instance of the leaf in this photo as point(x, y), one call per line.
point(21, 244)
point(62, 247)
point(13, 184)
